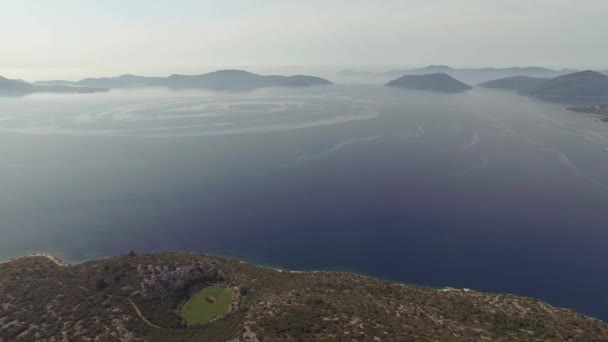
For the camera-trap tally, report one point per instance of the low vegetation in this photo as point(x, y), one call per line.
point(145, 298)
point(208, 304)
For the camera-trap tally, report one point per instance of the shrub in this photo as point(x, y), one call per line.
point(101, 284)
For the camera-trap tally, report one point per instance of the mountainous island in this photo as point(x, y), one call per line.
point(516, 83)
point(580, 85)
point(54, 82)
point(189, 297)
point(20, 87)
point(122, 81)
point(468, 75)
point(217, 80)
point(438, 82)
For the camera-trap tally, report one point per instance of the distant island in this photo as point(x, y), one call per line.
point(122, 81)
point(468, 75)
point(55, 82)
point(517, 83)
point(437, 82)
point(190, 297)
point(580, 85)
point(217, 80)
point(20, 87)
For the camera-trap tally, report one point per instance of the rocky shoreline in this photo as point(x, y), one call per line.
point(57, 261)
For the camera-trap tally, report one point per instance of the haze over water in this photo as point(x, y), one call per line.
point(486, 190)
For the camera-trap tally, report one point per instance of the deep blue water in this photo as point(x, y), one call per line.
point(486, 190)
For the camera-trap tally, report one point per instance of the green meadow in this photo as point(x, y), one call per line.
point(207, 304)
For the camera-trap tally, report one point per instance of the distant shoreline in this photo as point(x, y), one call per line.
point(59, 262)
point(50, 257)
point(600, 117)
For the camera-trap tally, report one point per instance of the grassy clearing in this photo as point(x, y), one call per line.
point(207, 304)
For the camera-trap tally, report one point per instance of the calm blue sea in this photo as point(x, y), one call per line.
point(486, 190)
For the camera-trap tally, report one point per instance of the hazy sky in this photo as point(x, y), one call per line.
point(70, 39)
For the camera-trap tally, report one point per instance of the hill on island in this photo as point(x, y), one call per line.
point(467, 75)
point(188, 297)
point(14, 86)
point(238, 79)
point(20, 87)
point(438, 82)
point(122, 81)
point(516, 83)
point(55, 82)
point(217, 80)
point(580, 85)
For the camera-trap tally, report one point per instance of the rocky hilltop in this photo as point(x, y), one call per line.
point(438, 82)
point(142, 298)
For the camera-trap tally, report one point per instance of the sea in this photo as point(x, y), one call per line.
point(487, 189)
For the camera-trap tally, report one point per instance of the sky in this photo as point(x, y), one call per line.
point(72, 39)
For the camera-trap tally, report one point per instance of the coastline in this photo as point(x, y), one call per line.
point(402, 304)
point(445, 289)
point(57, 261)
point(577, 110)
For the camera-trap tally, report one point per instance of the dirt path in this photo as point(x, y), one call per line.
point(58, 262)
point(143, 318)
point(141, 315)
